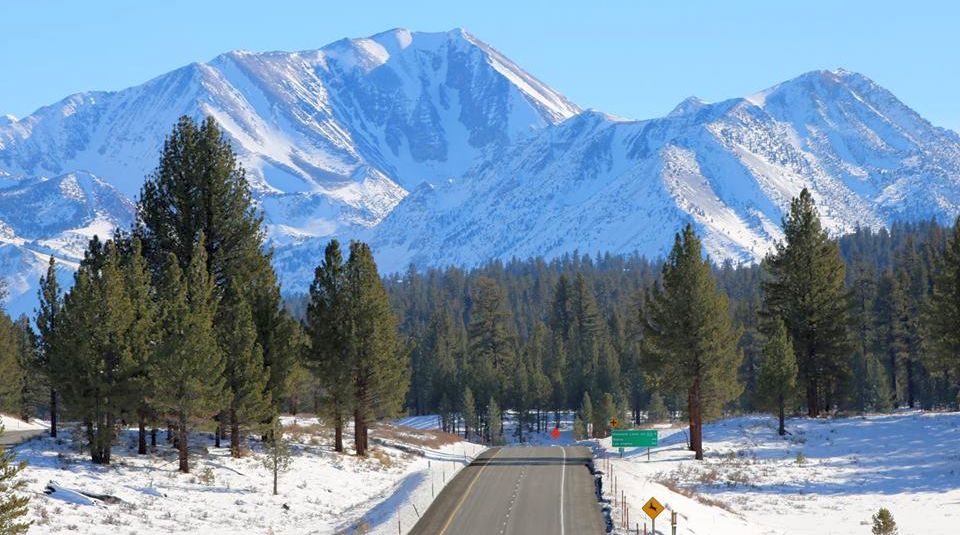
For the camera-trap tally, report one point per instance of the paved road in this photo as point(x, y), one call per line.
point(15, 437)
point(521, 491)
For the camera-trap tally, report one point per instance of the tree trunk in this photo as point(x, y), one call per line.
point(184, 460)
point(106, 441)
point(153, 437)
point(338, 432)
point(234, 435)
point(909, 365)
point(141, 432)
point(53, 413)
point(893, 378)
point(359, 423)
point(690, 418)
point(812, 410)
point(276, 468)
point(696, 418)
point(782, 430)
point(218, 431)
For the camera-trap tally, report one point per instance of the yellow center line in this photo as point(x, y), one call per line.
point(466, 493)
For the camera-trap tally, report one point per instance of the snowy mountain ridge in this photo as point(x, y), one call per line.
point(439, 150)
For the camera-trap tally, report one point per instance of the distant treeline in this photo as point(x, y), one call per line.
point(860, 314)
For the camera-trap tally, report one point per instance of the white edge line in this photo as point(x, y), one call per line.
point(563, 473)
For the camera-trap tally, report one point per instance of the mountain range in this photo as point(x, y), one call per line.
point(438, 150)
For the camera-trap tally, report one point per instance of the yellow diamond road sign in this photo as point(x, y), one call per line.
point(652, 508)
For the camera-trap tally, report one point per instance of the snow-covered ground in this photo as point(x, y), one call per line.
point(10, 423)
point(752, 483)
point(323, 492)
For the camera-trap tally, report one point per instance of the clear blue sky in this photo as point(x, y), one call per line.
point(632, 58)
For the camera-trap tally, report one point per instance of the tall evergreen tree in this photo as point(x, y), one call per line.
point(379, 368)
point(31, 380)
point(691, 341)
point(329, 333)
point(494, 427)
point(891, 324)
point(189, 358)
point(97, 369)
point(777, 377)
point(807, 292)
point(586, 413)
point(199, 187)
point(143, 335)
point(941, 316)
point(13, 374)
point(48, 316)
point(244, 373)
point(491, 339)
point(469, 410)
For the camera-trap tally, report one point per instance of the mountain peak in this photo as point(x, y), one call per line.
point(689, 105)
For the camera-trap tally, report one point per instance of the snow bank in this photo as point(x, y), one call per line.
point(827, 477)
point(14, 424)
point(324, 492)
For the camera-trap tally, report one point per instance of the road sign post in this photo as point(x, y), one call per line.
point(653, 508)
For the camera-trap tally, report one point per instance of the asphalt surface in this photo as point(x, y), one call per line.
point(9, 438)
point(521, 491)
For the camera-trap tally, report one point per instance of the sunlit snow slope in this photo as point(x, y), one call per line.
point(439, 150)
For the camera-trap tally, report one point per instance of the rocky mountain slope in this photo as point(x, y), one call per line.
point(440, 150)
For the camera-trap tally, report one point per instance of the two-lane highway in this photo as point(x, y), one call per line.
point(514, 491)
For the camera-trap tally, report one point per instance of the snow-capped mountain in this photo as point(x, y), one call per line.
point(439, 150)
point(597, 183)
point(331, 138)
point(56, 216)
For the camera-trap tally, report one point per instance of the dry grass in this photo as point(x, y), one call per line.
point(691, 493)
point(311, 431)
point(424, 438)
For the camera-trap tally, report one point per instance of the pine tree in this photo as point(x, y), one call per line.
point(691, 340)
point(877, 394)
point(603, 416)
point(13, 502)
point(586, 413)
point(891, 334)
point(941, 316)
point(656, 409)
point(277, 459)
point(329, 332)
point(14, 375)
point(883, 523)
point(199, 187)
point(579, 428)
point(378, 366)
point(494, 429)
point(96, 369)
point(31, 380)
point(244, 373)
point(491, 339)
point(189, 358)
point(807, 292)
point(143, 334)
point(777, 377)
point(521, 396)
point(469, 409)
point(48, 316)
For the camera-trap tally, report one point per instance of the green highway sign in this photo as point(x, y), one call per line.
point(634, 438)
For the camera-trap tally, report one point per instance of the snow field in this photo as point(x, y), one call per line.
point(828, 477)
point(323, 492)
